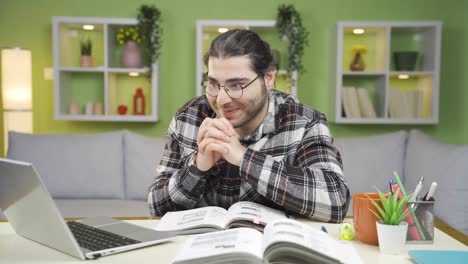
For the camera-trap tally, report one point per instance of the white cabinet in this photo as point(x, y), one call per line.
point(400, 79)
point(105, 85)
point(208, 30)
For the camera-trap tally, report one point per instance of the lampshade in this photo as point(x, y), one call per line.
point(16, 79)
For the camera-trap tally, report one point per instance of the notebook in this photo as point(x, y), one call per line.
point(438, 256)
point(33, 214)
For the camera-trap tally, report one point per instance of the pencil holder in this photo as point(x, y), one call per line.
point(420, 222)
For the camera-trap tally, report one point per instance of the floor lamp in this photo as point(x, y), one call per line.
point(16, 91)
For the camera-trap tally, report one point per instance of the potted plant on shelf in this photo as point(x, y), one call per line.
point(391, 229)
point(289, 25)
point(151, 31)
point(129, 36)
point(86, 59)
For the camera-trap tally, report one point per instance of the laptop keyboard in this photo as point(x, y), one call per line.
point(96, 239)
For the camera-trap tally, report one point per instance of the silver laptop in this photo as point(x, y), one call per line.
point(33, 214)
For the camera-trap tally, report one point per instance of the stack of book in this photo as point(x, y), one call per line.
point(405, 104)
point(357, 103)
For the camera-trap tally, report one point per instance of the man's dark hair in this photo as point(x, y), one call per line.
point(240, 42)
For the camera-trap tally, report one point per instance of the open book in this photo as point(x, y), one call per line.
point(284, 241)
point(213, 218)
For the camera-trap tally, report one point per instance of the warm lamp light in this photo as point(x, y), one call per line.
point(403, 76)
point(88, 27)
point(222, 30)
point(358, 31)
point(16, 90)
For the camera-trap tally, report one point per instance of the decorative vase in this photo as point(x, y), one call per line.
point(86, 61)
point(358, 63)
point(139, 102)
point(131, 55)
point(392, 238)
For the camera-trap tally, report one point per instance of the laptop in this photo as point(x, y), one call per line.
point(33, 214)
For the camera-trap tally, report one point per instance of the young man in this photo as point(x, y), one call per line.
point(245, 141)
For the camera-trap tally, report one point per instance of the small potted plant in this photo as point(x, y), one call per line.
point(289, 26)
point(149, 22)
point(391, 229)
point(86, 59)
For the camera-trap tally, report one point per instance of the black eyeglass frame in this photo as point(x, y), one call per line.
point(226, 90)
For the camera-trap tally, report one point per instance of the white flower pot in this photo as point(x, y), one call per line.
point(392, 238)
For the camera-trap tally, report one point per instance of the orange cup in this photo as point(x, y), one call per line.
point(364, 220)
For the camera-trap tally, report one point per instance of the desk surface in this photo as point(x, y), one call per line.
point(16, 249)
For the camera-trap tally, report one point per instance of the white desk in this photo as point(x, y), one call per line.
point(15, 249)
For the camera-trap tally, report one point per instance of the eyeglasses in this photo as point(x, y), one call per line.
point(234, 90)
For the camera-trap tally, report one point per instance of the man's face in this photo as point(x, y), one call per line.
point(248, 111)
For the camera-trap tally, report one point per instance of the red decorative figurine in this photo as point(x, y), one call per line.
point(139, 102)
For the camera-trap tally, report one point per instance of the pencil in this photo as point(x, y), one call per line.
point(402, 189)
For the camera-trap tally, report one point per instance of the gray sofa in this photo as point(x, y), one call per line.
point(109, 173)
point(93, 174)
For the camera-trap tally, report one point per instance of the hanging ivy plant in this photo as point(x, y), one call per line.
point(289, 25)
point(151, 31)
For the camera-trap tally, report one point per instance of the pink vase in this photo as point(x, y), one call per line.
point(131, 55)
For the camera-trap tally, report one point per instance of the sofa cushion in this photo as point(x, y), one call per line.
point(74, 166)
point(142, 156)
point(369, 162)
point(102, 207)
point(445, 164)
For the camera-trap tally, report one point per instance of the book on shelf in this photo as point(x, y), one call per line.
point(350, 102)
point(405, 104)
point(214, 218)
point(365, 103)
point(284, 241)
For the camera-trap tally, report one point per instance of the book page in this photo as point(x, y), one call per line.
point(254, 213)
point(291, 233)
point(209, 217)
point(228, 245)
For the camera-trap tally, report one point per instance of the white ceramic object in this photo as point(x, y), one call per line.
point(392, 238)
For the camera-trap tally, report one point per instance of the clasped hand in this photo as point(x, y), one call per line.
point(217, 138)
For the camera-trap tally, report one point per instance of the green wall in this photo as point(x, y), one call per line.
point(27, 23)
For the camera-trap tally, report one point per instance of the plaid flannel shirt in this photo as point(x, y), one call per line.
point(290, 164)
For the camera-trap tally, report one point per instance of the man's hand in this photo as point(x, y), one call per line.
point(217, 138)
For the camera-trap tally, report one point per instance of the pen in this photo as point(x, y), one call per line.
point(431, 191)
point(417, 190)
point(402, 189)
point(324, 229)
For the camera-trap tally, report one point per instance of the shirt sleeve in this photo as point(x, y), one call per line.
point(178, 184)
point(312, 186)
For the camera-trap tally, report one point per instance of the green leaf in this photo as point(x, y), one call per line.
point(377, 206)
point(377, 215)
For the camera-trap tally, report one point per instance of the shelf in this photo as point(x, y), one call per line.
point(388, 91)
point(106, 84)
point(207, 31)
point(82, 69)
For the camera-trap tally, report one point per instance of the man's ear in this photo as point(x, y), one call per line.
point(270, 79)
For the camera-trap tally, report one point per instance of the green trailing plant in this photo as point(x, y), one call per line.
point(289, 25)
point(150, 30)
point(393, 210)
point(86, 47)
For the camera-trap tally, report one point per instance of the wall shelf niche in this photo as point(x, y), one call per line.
point(106, 83)
point(392, 88)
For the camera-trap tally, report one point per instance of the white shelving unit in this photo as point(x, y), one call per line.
point(398, 97)
point(107, 82)
point(207, 30)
